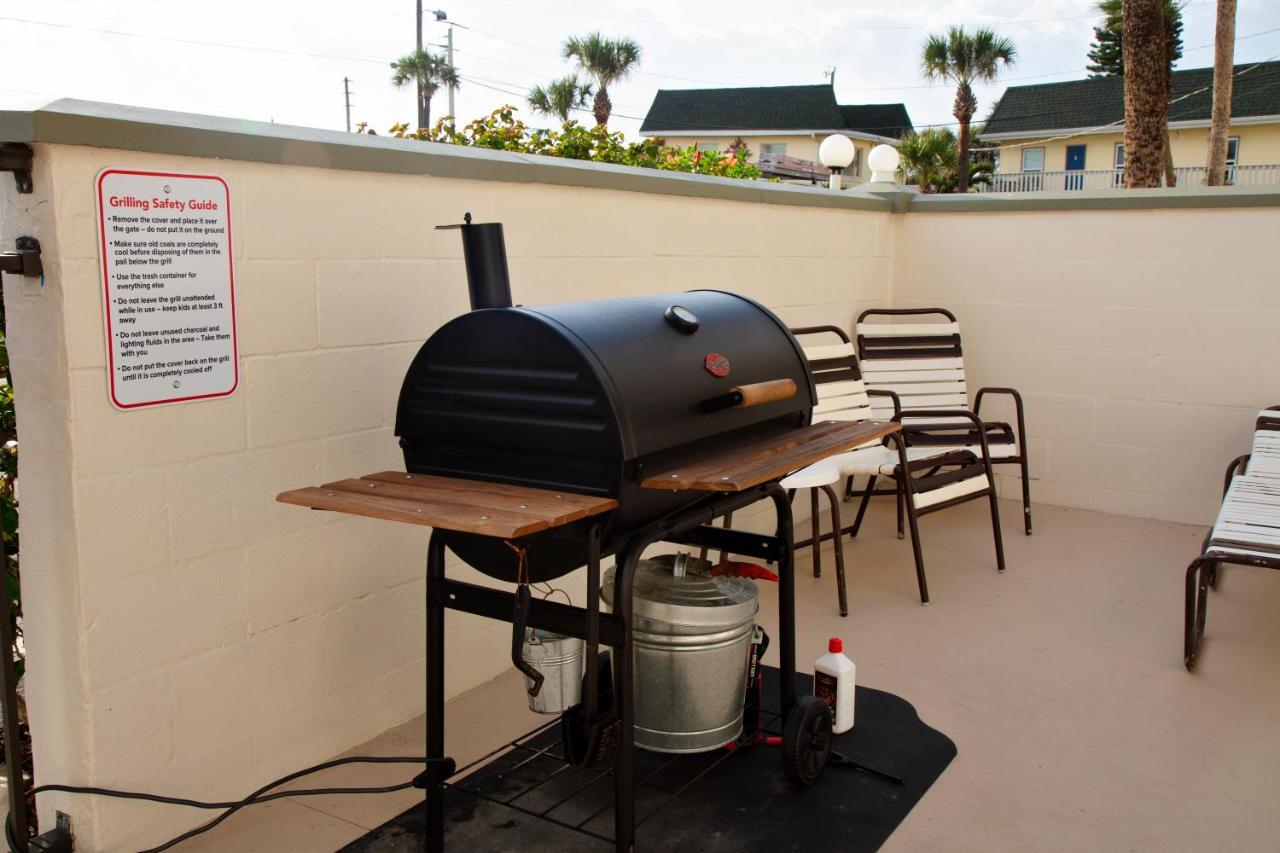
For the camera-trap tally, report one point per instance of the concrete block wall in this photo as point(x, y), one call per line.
point(1143, 340)
point(188, 634)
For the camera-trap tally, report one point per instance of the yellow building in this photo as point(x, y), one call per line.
point(1068, 136)
point(781, 125)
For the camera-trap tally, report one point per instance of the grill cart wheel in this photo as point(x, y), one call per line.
point(806, 740)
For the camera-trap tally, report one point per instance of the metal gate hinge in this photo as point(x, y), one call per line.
point(16, 157)
point(24, 260)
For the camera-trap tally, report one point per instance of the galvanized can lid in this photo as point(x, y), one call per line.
point(693, 598)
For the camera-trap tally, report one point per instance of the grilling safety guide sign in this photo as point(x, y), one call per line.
point(168, 287)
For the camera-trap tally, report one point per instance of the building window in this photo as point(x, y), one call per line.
point(773, 148)
point(1233, 151)
point(707, 146)
point(1032, 161)
point(855, 168)
point(1118, 180)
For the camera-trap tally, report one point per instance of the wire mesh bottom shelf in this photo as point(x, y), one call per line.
point(530, 775)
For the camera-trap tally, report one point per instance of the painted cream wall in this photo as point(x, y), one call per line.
point(1142, 341)
point(188, 634)
point(1259, 145)
point(803, 147)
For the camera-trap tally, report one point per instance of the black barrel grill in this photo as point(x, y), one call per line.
point(644, 419)
point(590, 397)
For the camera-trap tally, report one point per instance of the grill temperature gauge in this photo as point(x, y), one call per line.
point(682, 319)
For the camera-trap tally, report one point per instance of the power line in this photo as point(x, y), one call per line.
point(204, 43)
point(380, 61)
point(1093, 15)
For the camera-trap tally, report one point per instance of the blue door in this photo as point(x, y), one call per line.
point(1075, 163)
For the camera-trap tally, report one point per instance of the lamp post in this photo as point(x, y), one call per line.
point(883, 162)
point(836, 153)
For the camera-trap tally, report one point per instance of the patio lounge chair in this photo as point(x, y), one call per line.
point(842, 395)
point(923, 364)
point(1247, 531)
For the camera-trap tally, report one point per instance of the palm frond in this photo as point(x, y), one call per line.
point(936, 58)
point(421, 66)
point(965, 57)
point(559, 97)
point(605, 60)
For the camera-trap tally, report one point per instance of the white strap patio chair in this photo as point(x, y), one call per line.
point(842, 395)
point(1247, 529)
point(922, 362)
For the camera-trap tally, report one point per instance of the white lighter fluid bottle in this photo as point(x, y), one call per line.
point(833, 677)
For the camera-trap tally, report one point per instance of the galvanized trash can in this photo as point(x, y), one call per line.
point(692, 637)
point(559, 659)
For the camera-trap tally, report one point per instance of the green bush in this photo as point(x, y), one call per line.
point(502, 131)
point(8, 494)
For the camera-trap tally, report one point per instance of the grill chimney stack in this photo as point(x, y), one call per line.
point(485, 252)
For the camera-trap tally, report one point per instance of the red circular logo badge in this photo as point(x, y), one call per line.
point(716, 364)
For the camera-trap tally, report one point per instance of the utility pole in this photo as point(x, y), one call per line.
point(422, 112)
point(443, 18)
point(449, 42)
point(346, 95)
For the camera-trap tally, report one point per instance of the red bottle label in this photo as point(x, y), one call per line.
point(824, 687)
point(716, 364)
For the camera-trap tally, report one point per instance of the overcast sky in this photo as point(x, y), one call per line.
point(284, 61)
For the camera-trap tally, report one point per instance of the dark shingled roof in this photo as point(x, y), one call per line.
point(769, 108)
point(1100, 100)
point(880, 119)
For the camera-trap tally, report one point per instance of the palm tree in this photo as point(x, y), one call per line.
point(429, 72)
point(1107, 55)
point(1146, 105)
point(931, 160)
point(560, 97)
point(927, 157)
point(1224, 39)
point(606, 61)
point(966, 59)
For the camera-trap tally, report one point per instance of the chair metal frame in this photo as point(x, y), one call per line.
point(960, 464)
point(1001, 429)
point(1203, 572)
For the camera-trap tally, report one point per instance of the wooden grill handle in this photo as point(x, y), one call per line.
point(741, 396)
point(764, 392)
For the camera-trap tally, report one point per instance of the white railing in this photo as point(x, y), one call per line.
point(1107, 179)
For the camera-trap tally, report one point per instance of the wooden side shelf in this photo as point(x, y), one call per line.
point(468, 506)
point(757, 462)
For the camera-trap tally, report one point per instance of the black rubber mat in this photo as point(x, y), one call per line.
point(732, 803)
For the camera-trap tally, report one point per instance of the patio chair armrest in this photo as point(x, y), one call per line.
point(1017, 407)
point(951, 413)
point(953, 457)
point(1010, 392)
point(816, 330)
point(1238, 466)
point(905, 312)
point(892, 395)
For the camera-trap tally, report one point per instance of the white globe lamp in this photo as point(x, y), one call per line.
point(836, 153)
point(883, 161)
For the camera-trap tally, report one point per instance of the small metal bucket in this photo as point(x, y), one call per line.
point(559, 659)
